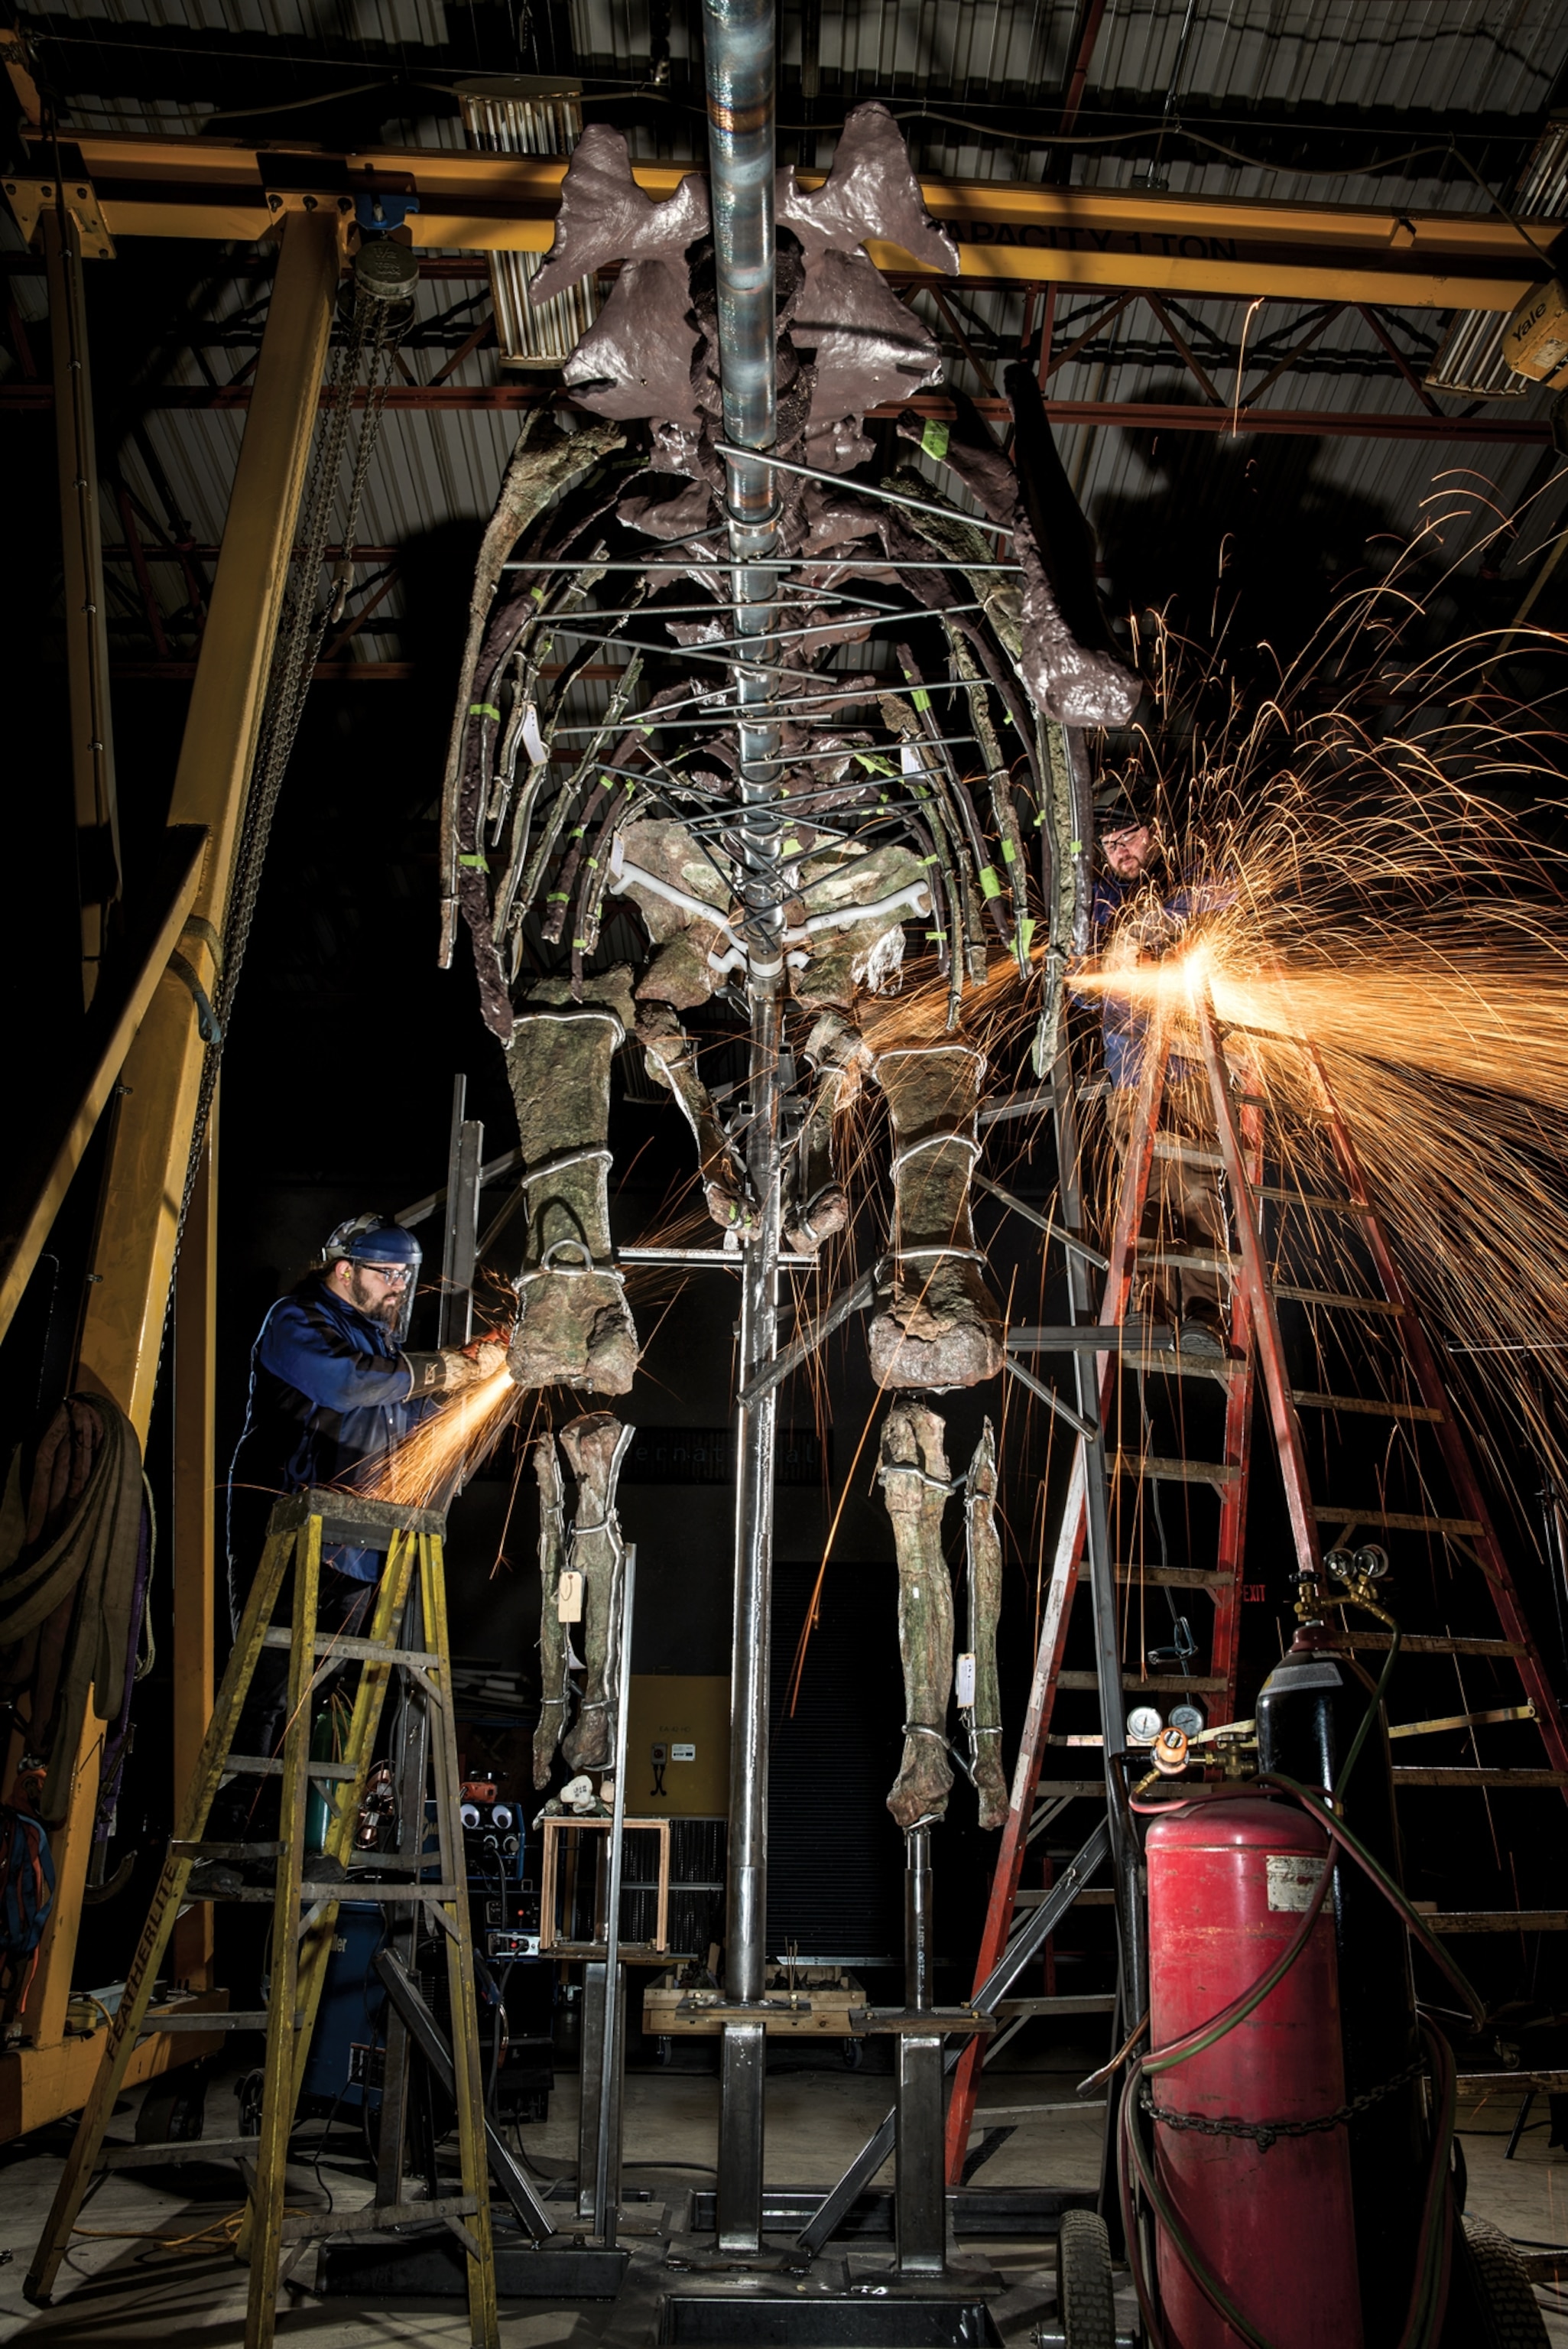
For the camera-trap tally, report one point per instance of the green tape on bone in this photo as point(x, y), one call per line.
point(990, 886)
point(484, 709)
point(936, 438)
point(1025, 932)
point(1009, 852)
point(922, 699)
point(1074, 847)
point(475, 864)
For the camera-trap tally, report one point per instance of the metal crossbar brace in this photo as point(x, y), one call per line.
point(823, 2221)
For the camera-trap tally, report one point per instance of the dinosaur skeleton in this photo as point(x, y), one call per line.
point(906, 795)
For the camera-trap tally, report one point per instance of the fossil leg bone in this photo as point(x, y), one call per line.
point(672, 1061)
point(913, 1477)
point(554, 1636)
point(816, 1205)
point(574, 1326)
point(940, 1326)
point(595, 1446)
point(984, 1718)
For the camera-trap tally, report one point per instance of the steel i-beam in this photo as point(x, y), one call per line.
point(740, 44)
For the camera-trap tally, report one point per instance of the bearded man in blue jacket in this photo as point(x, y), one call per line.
point(1138, 916)
point(334, 1392)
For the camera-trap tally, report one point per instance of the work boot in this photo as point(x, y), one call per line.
point(218, 1879)
point(214, 1880)
point(1203, 1332)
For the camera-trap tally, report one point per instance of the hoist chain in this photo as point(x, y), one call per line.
point(1265, 2133)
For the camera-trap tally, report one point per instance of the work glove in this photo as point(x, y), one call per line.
point(454, 1367)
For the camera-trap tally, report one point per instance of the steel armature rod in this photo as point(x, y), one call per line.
point(607, 2170)
point(739, 40)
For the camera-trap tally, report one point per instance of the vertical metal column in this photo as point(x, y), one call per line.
point(612, 2051)
point(599, 2116)
point(739, 41)
point(85, 613)
point(195, 1528)
point(921, 2193)
point(459, 1249)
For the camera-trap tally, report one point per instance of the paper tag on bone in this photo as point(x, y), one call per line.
point(569, 1599)
point(963, 1680)
point(532, 738)
point(1293, 1877)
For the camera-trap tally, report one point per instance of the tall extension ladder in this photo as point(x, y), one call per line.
point(1256, 1346)
point(305, 1914)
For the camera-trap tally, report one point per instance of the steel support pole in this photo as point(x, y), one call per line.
point(920, 2190)
point(196, 1542)
point(613, 2049)
point(459, 1246)
point(739, 41)
point(87, 631)
point(744, 2054)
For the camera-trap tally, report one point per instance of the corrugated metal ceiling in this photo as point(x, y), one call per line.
point(1223, 68)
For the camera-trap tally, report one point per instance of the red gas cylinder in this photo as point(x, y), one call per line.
point(1228, 1883)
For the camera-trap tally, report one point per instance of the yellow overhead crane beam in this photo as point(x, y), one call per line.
point(1007, 231)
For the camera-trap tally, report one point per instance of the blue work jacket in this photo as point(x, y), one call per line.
point(1124, 1023)
point(330, 1394)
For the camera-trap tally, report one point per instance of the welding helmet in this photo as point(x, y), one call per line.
point(374, 1239)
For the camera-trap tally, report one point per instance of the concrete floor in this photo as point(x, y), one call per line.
point(122, 2286)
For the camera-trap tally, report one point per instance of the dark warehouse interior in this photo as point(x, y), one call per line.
point(785, 1551)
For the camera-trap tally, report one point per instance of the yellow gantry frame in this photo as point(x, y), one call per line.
point(129, 1291)
point(1007, 231)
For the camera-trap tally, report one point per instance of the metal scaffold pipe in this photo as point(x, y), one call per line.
point(739, 38)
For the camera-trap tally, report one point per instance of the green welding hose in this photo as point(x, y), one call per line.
point(1371, 1713)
